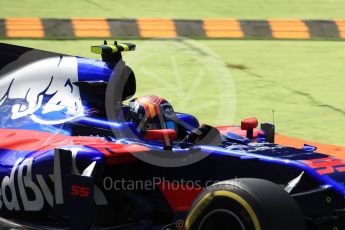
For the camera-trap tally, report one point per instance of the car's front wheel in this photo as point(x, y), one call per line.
point(245, 204)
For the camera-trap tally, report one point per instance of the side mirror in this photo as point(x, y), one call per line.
point(160, 134)
point(249, 124)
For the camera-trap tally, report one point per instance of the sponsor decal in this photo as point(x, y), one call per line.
point(23, 181)
point(19, 192)
point(42, 91)
point(80, 191)
point(326, 165)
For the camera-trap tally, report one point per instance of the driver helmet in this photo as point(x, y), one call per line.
point(152, 112)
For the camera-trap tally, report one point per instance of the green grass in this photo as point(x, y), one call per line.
point(303, 81)
point(248, 9)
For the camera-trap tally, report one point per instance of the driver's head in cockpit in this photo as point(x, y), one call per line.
point(152, 112)
point(156, 113)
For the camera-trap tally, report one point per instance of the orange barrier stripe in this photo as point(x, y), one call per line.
point(334, 150)
point(160, 22)
point(290, 29)
point(341, 27)
point(285, 21)
point(91, 27)
point(104, 21)
point(153, 20)
point(221, 21)
point(154, 27)
point(222, 28)
point(23, 20)
point(340, 21)
point(288, 24)
point(88, 19)
point(342, 34)
point(149, 28)
point(230, 23)
point(152, 34)
point(25, 34)
point(291, 35)
point(157, 27)
point(225, 34)
point(95, 27)
point(142, 23)
point(92, 33)
point(24, 27)
point(90, 23)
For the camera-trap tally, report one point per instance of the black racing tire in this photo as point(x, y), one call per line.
point(245, 204)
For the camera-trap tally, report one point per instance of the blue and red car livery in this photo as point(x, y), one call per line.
point(67, 160)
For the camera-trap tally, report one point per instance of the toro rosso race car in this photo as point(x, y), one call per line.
point(74, 155)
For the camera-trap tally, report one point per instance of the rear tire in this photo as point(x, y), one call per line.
point(245, 204)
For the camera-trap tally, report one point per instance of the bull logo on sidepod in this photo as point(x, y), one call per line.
point(43, 90)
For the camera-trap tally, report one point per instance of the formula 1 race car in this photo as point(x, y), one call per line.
point(74, 155)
